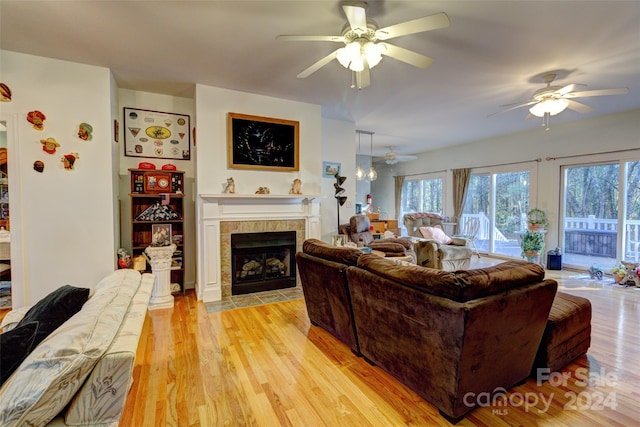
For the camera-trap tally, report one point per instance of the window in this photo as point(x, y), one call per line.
point(595, 210)
point(423, 193)
point(500, 200)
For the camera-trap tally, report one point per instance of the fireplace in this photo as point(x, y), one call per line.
point(262, 261)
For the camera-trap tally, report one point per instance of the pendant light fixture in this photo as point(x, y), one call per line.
point(359, 171)
point(372, 175)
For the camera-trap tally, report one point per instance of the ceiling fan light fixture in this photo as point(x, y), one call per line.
point(550, 106)
point(373, 53)
point(351, 57)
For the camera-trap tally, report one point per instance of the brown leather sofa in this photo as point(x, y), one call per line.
point(446, 335)
point(450, 335)
point(322, 268)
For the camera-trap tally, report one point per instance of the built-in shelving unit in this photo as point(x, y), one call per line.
point(157, 216)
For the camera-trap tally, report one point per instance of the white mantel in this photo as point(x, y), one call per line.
point(213, 209)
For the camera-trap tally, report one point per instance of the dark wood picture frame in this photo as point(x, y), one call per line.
point(262, 143)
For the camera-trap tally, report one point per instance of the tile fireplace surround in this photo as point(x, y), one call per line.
point(220, 215)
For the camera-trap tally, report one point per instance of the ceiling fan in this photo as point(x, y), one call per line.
point(552, 100)
point(391, 158)
point(363, 49)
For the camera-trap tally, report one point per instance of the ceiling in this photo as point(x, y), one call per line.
point(489, 56)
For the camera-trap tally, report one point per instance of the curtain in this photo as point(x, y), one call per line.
point(398, 182)
point(461, 178)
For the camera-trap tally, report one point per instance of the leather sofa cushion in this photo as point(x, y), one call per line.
point(460, 285)
point(341, 254)
point(481, 282)
point(388, 247)
point(431, 280)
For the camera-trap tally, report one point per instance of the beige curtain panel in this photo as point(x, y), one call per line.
point(461, 178)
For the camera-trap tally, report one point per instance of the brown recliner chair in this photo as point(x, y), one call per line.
point(359, 229)
point(431, 253)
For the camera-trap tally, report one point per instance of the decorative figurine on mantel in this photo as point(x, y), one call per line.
point(263, 190)
point(296, 187)
point(231, 186)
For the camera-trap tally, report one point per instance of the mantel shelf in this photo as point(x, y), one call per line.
point(259, 196)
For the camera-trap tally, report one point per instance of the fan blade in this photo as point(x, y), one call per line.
point(363, 78)
point(579, 107)
point(518, 105)
point(427, 23)
point(568, 88)
point(321, 63)
point(405, 55)
point(599, 92)
point(357, 18)
point(311, 38)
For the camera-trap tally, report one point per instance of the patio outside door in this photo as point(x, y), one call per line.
point(500, 201)
point(600, 225)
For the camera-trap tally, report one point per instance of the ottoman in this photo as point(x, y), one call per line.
point(567, 334)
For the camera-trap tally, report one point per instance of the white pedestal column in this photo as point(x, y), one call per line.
point(160, 260)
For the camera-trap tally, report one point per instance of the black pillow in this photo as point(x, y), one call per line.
point(55, 309)
point(15, 346)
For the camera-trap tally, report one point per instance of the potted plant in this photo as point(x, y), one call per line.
point(618, 272)
point(537, 219)
point(532, 245)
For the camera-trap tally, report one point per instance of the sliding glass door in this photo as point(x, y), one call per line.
point(631, 242)
point(422, 193)
point(500, 200)
point(601, 213)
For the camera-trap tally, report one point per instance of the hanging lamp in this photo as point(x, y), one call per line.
point(359, 171)
point(372, 175)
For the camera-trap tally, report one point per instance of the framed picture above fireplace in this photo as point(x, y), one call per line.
point(262, 143)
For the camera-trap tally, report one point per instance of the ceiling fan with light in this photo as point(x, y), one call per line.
point(391, 158)
point(552, 100)
point(364, 45)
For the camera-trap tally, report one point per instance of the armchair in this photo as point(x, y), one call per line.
point(433, 253)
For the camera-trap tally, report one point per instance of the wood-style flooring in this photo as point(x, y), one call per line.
point(267, 366)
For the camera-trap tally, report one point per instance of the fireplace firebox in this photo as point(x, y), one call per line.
point(262, 261)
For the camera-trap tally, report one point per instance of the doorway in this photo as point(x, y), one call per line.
point(5, 235)
point(11, 247)
point(601, 213)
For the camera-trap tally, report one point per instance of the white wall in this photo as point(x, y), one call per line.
point(170, 104)
point(607, 133)
point(157, 102)
point(338, 147)
point(212, 106)
point(66, 217)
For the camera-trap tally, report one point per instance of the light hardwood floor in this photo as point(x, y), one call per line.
point(266, 366)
